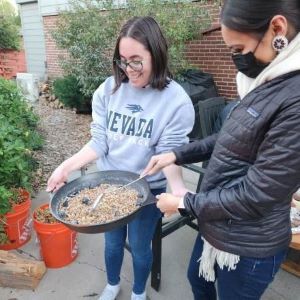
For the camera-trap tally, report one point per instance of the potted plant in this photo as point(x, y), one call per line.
point(15, 229)
point(15, 173)
point(4, 208)
point(58, 243)
point(18, 139)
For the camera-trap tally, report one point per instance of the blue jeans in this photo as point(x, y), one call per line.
point(140, 233)
point(248, 281)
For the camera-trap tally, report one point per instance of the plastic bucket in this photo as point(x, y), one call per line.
point(18, 224)
point(23, 206)
point(58, 243)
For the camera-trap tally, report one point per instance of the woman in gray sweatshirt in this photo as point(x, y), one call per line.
point(137, 113)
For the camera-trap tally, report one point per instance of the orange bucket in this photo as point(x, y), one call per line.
point(58, 243)
point(18, 224)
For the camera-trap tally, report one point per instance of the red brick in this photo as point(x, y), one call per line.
point(11, 63)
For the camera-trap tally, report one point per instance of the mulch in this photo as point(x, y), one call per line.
point(65, 132)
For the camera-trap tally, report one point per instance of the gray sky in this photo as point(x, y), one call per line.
point(13, 2)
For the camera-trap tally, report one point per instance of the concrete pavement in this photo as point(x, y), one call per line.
point(86, 277)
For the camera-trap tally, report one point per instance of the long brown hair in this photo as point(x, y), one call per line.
point(146, 31)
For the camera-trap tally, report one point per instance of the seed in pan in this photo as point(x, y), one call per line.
point(86, 200)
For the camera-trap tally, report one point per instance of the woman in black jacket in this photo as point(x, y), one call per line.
point(243, 206)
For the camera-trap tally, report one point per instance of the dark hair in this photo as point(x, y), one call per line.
point(146, 31)
point(254, 16)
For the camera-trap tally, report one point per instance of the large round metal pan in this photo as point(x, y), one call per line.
point(95, 179)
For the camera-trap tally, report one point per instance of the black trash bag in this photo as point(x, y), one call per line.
point(198, 85)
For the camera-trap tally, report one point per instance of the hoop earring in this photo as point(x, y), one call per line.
point(279, 43)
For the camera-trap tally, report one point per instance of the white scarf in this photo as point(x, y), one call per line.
point(210, 255)
point(286, 61)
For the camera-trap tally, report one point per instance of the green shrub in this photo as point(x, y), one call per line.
point(18, 137)
point(89, 29)
point(5, 206)
point(15, 168)
point(9, 26)
point(68, 91)
point(16, 111)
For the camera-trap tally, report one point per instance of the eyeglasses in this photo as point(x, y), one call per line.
point(135, 65)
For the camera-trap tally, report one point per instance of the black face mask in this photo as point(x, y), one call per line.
point(248, 64)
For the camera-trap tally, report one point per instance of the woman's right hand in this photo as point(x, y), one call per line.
point(57, 179)
point(158, 162)
point(60, 175)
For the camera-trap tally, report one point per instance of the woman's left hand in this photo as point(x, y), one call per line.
point(168, 203)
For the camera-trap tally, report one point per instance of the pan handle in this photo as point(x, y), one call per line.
point(150, 200)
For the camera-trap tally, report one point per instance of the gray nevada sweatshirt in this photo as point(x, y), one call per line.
point(132, 124)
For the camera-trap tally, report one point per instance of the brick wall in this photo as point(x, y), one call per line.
point(52, 52)
point(211, 55)
point(11, 63)
point(208, 53)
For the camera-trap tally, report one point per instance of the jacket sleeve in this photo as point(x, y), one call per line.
point(196, 151)
point(273, 177)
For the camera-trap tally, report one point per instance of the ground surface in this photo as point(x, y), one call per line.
point(65, 132)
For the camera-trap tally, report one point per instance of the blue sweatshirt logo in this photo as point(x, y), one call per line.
point(128, 125)
point(134, 108)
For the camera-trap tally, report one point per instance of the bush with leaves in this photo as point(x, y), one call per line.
point(67, 89)
point(16, 111)
point(9, 26)
point(5, 207)
point(15, 166)
point(18, 139)
point(5, 195)
point(88, 31)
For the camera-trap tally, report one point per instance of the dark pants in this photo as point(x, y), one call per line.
point(140, 234)
point(248, 281)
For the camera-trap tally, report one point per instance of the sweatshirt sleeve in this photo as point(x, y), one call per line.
point(98, 140)
point(179, 126)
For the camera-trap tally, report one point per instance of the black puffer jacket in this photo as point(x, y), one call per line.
point(244, 204)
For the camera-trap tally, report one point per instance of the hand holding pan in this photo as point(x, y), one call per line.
point(95, 179)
